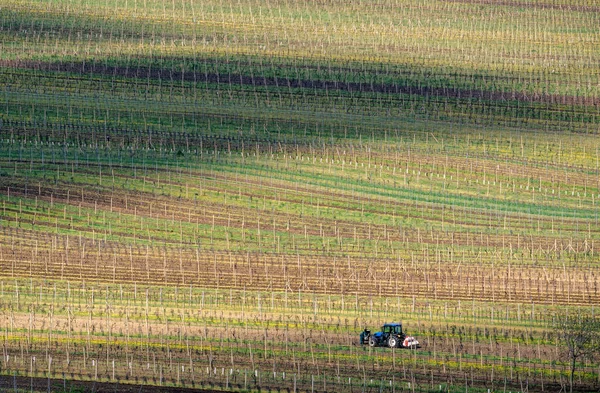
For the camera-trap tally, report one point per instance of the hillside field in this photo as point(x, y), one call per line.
point(221, 195)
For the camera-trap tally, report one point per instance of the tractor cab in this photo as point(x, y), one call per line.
point(392, 328)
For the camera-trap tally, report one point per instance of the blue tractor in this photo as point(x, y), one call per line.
point(391, 335)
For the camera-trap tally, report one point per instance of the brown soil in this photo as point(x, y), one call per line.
point(8, 383)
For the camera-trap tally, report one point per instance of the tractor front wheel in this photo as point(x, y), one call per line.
point(372, 341)
point(392, 342)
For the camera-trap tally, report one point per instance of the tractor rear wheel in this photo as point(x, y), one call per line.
point(392, 342)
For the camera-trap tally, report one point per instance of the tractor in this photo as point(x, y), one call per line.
point(391, 335)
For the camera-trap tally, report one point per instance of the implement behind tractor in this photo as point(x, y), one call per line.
point(391, 335)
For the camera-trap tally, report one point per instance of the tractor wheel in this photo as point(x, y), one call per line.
point(372, 341)
point(392, 342)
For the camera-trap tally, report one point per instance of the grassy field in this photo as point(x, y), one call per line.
point(222, 195)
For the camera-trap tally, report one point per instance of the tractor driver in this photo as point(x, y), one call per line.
point(364, 336)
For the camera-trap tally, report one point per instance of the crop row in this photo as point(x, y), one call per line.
point(405, 174)
point(327, 216)
point(102, 64)
point(431, 273)
point(181, 106)
point(145, 331)
point(234, 195)
point(418, 34)
point(229, 224)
